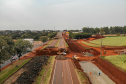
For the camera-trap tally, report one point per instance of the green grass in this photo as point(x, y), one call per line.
point(112, 41)
point(47, 44)
point(118, 60)
point(46, 76)
point(12, 69)
point(89, 44)
point(66, 45)
point(57, 44)
point(82, 77)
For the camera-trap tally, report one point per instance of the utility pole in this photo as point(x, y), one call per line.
point(101, 42)
point(54, 28)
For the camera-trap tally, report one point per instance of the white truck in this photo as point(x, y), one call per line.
point(75, 57)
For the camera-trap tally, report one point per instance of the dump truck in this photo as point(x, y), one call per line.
point(75, 57)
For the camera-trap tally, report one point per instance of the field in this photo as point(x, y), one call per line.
point(118, 60)
point(111, 41)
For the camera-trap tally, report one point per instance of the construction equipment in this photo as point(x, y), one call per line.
point(75, 57)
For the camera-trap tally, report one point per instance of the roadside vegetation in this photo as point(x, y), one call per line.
point(12, 69)
point(47, 44)
point(66, 45)
point(90, 44)
point(57, 44)
point(111, 41)
point(118, 60)
point(82, 77)
point(45, 74)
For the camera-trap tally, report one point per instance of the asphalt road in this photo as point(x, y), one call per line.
point(64, 73)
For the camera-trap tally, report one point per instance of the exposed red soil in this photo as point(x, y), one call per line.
point(117, 75)
point(109, 50)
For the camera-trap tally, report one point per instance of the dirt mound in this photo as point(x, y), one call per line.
point(118, 76)
point(32, 68)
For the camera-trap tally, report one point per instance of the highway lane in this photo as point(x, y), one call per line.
point(64, 73)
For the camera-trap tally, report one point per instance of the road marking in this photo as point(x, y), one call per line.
point(62, 74)
point(54, 72)
point(70, 72)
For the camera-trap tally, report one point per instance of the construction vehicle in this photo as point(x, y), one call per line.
point(75, 57)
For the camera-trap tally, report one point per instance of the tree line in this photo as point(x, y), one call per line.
point(107, 30)
point(18, 34)
point(79, 35)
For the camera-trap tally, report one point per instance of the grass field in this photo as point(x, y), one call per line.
point(12, 69)
point(57, 44)
point(45, 74)
point(118, 60)
point(111, 41)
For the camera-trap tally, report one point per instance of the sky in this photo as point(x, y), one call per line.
point(61, 14)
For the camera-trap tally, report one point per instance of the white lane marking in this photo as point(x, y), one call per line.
point(54, 72)
point(70, 72)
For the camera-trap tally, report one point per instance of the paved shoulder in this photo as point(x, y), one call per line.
point(94, 76)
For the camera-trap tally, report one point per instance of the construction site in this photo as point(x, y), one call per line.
point(70, 55)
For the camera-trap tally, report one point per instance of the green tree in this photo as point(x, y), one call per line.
point(43, 38)
point(106, 30)
point(22, 46)
point(4, 54)
point(102, 31)
point(97, 30)
point(124, 30)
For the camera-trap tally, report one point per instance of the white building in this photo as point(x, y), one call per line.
point(30, 40)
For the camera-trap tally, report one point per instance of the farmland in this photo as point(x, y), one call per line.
point(111, 41)
point(118, 60)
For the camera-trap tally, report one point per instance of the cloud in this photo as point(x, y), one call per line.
point(72, 14)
